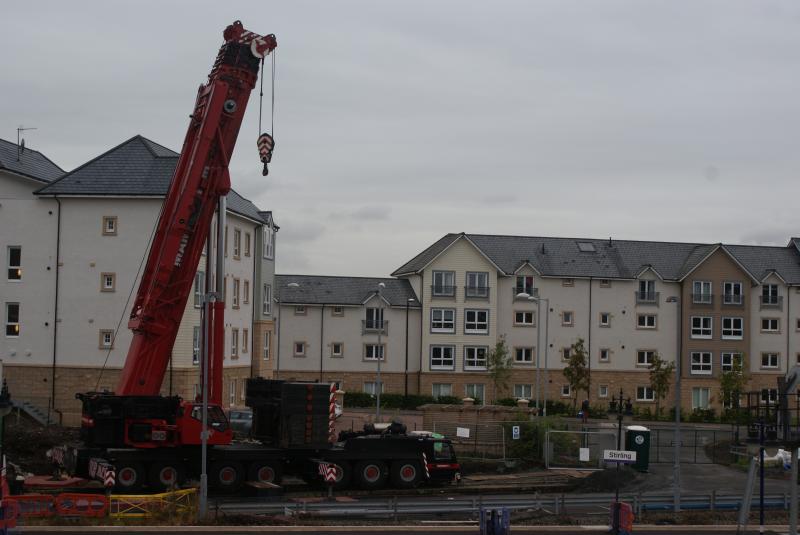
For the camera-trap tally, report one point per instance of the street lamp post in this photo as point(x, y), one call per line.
point(379, 352)
point(622, 408)
point(538, 300)
point(408, 304)
point(676, 464)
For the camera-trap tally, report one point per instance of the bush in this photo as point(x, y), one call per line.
point(703, 416)
point(530, 446)
point(396, 401)
point(559, 407)
point(506, 402)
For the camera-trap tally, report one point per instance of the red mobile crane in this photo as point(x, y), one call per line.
point(151, 440)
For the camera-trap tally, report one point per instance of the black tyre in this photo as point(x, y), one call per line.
point(227, 476)
point(165, 476)
point(344, 474)
point(265, 472)
point(406, 474)
point(130, 477)
point(371, 475)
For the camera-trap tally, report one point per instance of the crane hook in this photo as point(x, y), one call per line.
point(265, 146)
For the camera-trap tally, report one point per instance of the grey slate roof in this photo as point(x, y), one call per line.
point(614, 259)
point(318, 290)
point(32, 163)
point(137, 167)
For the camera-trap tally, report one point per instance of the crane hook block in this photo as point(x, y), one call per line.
point(265, 146)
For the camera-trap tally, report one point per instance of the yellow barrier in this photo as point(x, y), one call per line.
point(145, 505)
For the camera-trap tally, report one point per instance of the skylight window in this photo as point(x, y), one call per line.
point(586, 247)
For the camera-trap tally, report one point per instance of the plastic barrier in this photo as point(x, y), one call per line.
point(88, 505)
point(625, 517)
point(33, 505)
point(144, 505)
point(9, 512)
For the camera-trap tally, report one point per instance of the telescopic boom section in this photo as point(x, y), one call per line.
point(201, 177)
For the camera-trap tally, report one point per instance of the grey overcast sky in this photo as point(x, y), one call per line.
point(397, 122)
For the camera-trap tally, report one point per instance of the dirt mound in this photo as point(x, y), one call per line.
point(26, 442)
point(606, 480)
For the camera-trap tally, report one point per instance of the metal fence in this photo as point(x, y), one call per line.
point(479, 440)
point(698, 445)
point(582, 450)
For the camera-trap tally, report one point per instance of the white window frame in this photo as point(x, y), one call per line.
point(566, 390)
point(374, 319)
point(731, 329)
point(234, 342)
point(445, 361)
point(297, 353)
point(644, 357)
point(268, 242)
point(607, 317)
point(14, 327)
point(445, 325)
point(773, 360)
point(106, 339)
point(706, 290)
point(199, 286)
point(521, 284)
point(15, 269)
point(371, 387)
point(265, 350)
point(472, 358)
point(477, 284)
point(524, 315)
point(523, 391)
point(232, 392)
point(300, 310)
point(604, 355)
point(236, 285)
point(602, 391)
point(441, 286)
point(471, 390)
point(771, 396)
point(699, 330)
point(522, 352)
point(245, 340)
point(645, 393)
point(337, 310)
point(770, 329)
point(337, 354)
point(647, 318)
point(370, 351)
point(701, 362)
point(237, 243)
point(266, 300)
point(736, 290)
point(440, 387)
point(566, 353)
point(567, 318)
point(476, 326)
point(196, 335)
point(701, 397)
point(727, 358)
point(112, 228)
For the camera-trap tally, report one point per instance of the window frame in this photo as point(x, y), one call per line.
point(246, 292)
point(607, 323)
point(701, 330)
point(196, 339)
point(440, 394)
point(607, 352)
point(566, 390)
point(567, 318)
point(602, 391)
point(566, 354)
point(523, 387)
point(648, 354)
point(300, 310)
point(769, 329)
point(246, 244)
point(199, 286)
point(237, 243)
point(266, 299)
point(769, 365)
point(475, 359)
point(732, 330)
point(647, 327)
point(568, 282)
point(245, 340)
point(476, 329)
point(735, 286)
point(105, 288)
point(337, 354)
point(524, 323)
point(699, 367)
point(10, 266)
point(645, 394)
point(234, 343)
point(733, 356)
point(477, 290)
point(265, 350)
point(339, 312)
point(522, 350)
point(235, 293)
point(295, 345)
point(443, 348)
point(113, 229)
point(369, 352)
point(474, 388)
point(703, 285)
point(268, 243)
point(8, 317)
point(700, 390)
point(443, 329)
point(102, 335)
point(444, 289)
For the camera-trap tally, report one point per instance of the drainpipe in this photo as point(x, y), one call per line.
point(789, 327)
point(589, 344)
point(55, 317)
point(421, 331)
point(321, 338)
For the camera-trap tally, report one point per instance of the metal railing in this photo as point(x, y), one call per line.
point(476, 292)
point(374, 326)
point(443, 290)
point(772, 301)
point(647, 298)
point(732, 299)
point(702, 299)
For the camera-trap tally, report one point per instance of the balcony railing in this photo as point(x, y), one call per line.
point(533, 292)
point(772, 301)
point(733, 299)
point(441, 290)
point(647, 298)
point(374, 326)
point(703, 299)
point(476, 292)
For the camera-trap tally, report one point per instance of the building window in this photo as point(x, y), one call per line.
point(567, 282)
point(605, 355)
point(605, 319)
point(566, 353)
point(524, 285)
point(644, 357)
point(245, 340)
point(439, 390)
point(476, 321)
point(700, 397)
point(266, 303)
point(727, 359)
point(108, 282)
point(299, 349)
point(702, 326)
point(797, 326)
point(234, 343)
point(269, 243)
point(647, 292)
point(12, 319)
point(770, 360)
point(477, 284)
point(475, 391)
point(195, 345)
point(109, 225)
point(769, 395)
point(300, 310)
point(265, 352)
point(475, 357)
point(645, 393)
point(374, 321)
point(337, 350)
point(246, 292)
point(442, 357)
point(235, 293)
point(602, 391)
point(237, 243)
point(247, 244)
point(732, 328)
point(769, 294)
point(199, 286)
point(337, 311)
point(770, 325)
point(444, 283)
point(443, 320)
point(732, 293)
point(566, 391)
point(15, 263)
point(646, 321)
point(701, 292)
point(523, 355)
point(701, 362)
point(523, 319)
point(375, 352)
point(232, 389)
point(567, 318)
point(605, 283)
point(523, 391)
point(106, 339)
point(371, 387)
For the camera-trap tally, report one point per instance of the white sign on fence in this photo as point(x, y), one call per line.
point(584, 455)
point(462, 432)
point(619, 456)
point(515, 432)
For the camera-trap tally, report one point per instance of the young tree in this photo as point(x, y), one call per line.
point(577, 373)
point(661, 373)
point(733, 382)
point(499, 366)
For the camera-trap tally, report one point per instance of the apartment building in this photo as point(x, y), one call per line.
point(336, 329)
point(84, 236)
point(263, 309)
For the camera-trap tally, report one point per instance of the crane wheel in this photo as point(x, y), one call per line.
point(406, 474)
point(344, 473)
point(227, 476)
point(371, 475)
point(265, 472)
point(130, 477)
point(165, 476)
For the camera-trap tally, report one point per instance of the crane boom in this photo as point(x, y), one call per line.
point(201, 178)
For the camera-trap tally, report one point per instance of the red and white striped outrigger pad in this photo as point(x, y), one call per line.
point(260, 45)
point(332, 414)
point(265, 145)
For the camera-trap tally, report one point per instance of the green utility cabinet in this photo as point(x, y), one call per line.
point(637, 438)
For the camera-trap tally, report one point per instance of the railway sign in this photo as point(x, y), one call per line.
point(515, 432)
point(619, 456)
point(328, 471)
